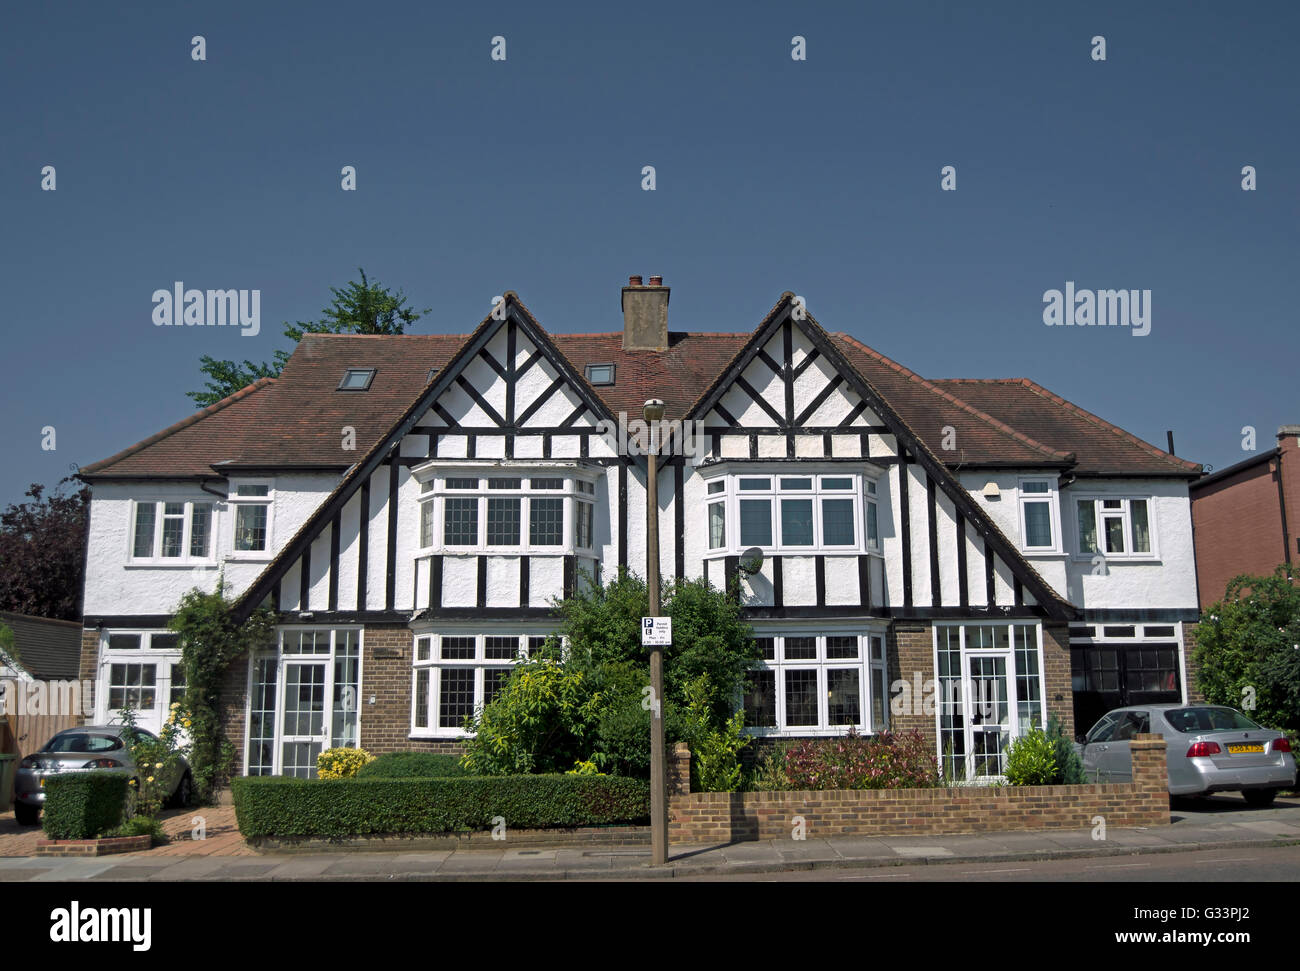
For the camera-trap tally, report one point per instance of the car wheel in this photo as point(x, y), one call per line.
point(184, 792)
point(26, 815)
point(1260, 797)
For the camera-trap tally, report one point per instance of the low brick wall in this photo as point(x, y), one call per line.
point(107, 846)
point(728, 817)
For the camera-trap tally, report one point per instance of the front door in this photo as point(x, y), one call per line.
point(989, 713)
point(304, 728)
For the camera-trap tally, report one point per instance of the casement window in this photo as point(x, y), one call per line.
point(1116, 527)
point(172, 532)
point(143, 670)
point(791, 512)
point(251, 502)
point(455, 675)
point(1039, 520)
point(518, 513)
point(990, 690)
point(817, 684)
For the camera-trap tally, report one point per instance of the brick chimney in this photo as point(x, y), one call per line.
point(645, 315)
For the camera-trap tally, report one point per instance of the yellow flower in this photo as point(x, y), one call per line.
point(150, 779)
point(186, 723)
point(157, 765)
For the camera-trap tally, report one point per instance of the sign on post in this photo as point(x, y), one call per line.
point(656, 631)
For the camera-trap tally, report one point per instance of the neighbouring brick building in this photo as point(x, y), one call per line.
point(961, 557)
point(1245, 516)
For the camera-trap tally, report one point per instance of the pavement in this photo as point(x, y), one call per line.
point(1221, 822)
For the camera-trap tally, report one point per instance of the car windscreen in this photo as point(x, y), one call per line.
point(82, 742)
point(1190, 721)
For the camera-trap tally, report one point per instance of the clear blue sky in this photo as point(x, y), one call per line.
point(821, 177)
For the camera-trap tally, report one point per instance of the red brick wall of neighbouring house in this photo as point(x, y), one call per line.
point(722, 817)
point(1237, 522)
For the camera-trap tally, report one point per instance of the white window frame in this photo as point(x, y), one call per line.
point(1126, 516)
point(434, 495)
point(156, 559)
point(965, 653)
point(863, 664)
point(731, 496)
point(435, 664)
point(236, 501)
point(1052, 498)
point(146, 653)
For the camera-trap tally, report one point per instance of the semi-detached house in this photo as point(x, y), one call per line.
point(962, 557)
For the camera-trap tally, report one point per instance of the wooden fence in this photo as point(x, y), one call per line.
point(24, 734)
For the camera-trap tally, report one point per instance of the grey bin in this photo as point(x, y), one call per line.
point(8, 763)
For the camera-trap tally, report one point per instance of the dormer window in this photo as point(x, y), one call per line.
point(598, 374)
point(357, 379)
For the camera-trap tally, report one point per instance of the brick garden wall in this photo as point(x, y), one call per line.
point(725, 817)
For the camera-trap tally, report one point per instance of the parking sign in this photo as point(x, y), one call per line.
point(656, 631)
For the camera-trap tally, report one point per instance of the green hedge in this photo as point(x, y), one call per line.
point(413, 765)
point(285, 807)
point(81, 805)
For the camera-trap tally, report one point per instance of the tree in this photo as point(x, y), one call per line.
point(589, 702)
point(1248, 649)
point(363, 307)
point(42, 552)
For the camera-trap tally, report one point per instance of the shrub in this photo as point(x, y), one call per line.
point(883, 761)
point(1031, 760)
point(158, 760)
point(287, 807)
point(412, 765)
point(81, 805)
point(1069, 767)
point(715, 752)
point(140, 826)
point(769, 775)
point(341, 763)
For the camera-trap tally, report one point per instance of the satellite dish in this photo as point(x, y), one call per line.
point(751, 561)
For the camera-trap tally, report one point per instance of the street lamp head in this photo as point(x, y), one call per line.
point(654, 410)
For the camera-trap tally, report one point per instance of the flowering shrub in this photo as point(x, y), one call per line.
point(883, 761)
point(341, 763)
point(159, 761)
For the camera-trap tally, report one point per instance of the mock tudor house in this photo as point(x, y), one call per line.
point(960, 557)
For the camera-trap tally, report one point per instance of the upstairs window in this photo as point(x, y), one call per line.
point(1039, 531)
point(252, 505)
point(789, 512)
point(548, 513)
point(1116, 527)
point(172, 531)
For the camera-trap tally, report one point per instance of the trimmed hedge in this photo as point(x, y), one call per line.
point(81, 805)
point(413, 765)
point(287, 807)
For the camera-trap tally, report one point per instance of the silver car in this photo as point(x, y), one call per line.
point(83, 749)
point(1208, 748)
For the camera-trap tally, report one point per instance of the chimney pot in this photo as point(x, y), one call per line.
point(634, 281)
point(656, 281)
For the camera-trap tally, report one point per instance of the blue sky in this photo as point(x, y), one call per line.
point(821, 177)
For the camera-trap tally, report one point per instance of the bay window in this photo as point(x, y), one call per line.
point(455, 675)
point(519, 513)
point(810, 684)
point(1117, 527)
point(792, 512)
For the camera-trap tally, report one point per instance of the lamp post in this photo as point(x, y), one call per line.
point(654, 413)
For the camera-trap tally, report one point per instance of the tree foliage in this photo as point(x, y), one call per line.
point(1248, 649)
point(361, 307)
point(42, 552)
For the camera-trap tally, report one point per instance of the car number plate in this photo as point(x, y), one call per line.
point(1243, 749)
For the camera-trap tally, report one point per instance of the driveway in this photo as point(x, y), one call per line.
point(221, 836)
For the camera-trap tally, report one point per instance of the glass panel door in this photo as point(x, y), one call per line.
point(304, 731)
point(989, 713)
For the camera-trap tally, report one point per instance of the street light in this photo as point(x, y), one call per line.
point(654, 413)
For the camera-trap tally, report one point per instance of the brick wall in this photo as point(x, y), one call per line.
point(1189, 652)
point(386, 676)
point(1237, 525)
point(724, 817)
point(911, 652)
point(1057, 683)
point(89, 671)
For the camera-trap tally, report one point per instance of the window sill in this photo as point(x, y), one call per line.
point(1116, 558)
point(445, 735)
point(172, 564)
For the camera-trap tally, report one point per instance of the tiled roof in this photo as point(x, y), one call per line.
point(1100, 447)
point(48, 650)
point(297, 419)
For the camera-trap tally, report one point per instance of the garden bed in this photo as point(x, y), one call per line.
point(108, 846)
